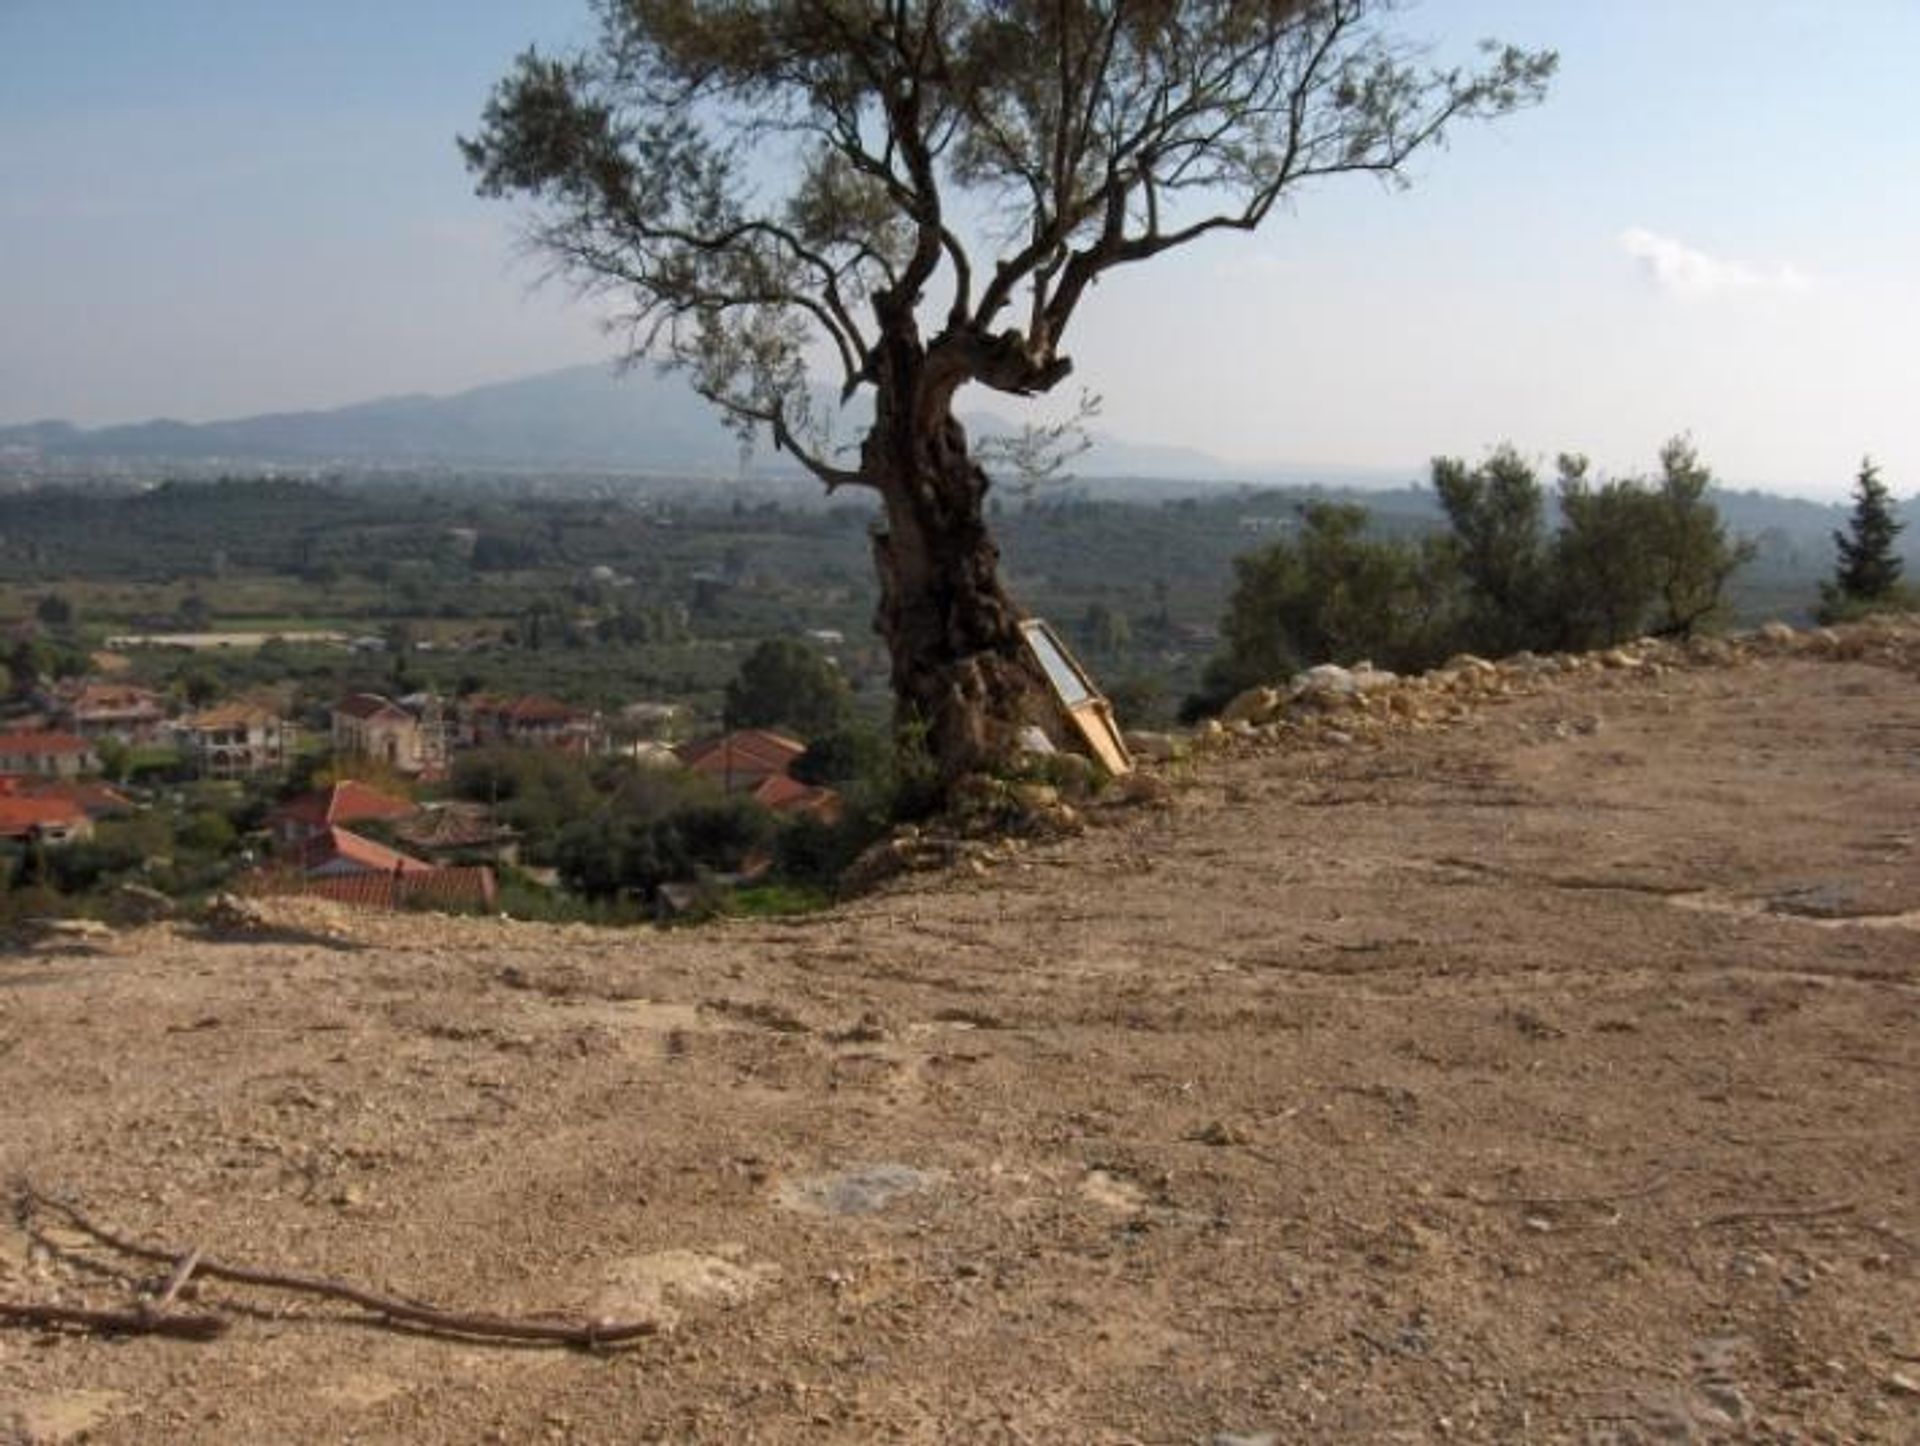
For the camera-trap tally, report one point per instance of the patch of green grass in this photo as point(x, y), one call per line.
point(773, 901)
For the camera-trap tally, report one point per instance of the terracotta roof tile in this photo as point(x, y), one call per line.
point(743, 753)
point(20, 814)
point(344, 802)
point(94, 798)
point(38, 744)
point(785, 794)
point(450, 888)
point(370, 857)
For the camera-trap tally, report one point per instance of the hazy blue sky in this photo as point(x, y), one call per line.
point(216, 207)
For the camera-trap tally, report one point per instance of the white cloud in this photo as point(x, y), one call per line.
point(1679, 270)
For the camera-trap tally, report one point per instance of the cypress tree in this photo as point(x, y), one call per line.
point(1868, 568)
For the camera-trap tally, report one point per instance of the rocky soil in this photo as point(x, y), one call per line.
point(1535, 1061)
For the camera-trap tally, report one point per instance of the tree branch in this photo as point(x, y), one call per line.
point(407, 1312)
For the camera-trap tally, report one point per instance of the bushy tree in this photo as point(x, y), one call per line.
point(662, 830)
point(207, 831)
point(1604, 566)
point(1629, 556)
point(536, 791)
point(116, 758)
point(1867, 572)
point(1497, 512)
point(1693, 556)
point(1330, 594)
point(787, 683)
point(848, 754)
point(36, 661)
point(925, 192)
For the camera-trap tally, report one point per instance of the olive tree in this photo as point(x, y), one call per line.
point(920, 195)
point(1694, 558)
point(1333, 594)
point(1496, 511)
point(1606, 571)
point(786, 683)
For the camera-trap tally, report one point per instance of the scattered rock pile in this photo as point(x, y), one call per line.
point(1337, 705)
point(237, 914)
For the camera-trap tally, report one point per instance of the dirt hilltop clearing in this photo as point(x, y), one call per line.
point(1549, 1076)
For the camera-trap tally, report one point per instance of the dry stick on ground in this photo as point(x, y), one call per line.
point(181, 1271)
point(1659, 1181)
point(144, 1321)
point(412, 1313)
point(1807, 1212)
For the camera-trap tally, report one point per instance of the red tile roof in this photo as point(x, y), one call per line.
point(785, 794)
point(452, 888)
point(23, 815)
point(363, 853)
point(744, 756)
point(343, 802)
point(26, 744)
point(92, 798)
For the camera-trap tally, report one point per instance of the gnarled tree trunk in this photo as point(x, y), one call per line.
point(961, 670)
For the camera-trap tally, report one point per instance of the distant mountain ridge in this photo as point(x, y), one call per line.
point(590, 419)
point(583, 417)
point(577, 417)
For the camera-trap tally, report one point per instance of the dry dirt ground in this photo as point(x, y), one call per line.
point(1553, 1077)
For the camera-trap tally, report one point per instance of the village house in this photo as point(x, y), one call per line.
point(459, 888)
point(326, 861)
point(236, 740)
point(316, 855)
point(91, 796)
point(42, 818)
point(408, 736)
point(757, 762)
point(740, 761)
point(337, 851)
point(311, 815)
point(51, 755)
point(92, 709)
point(530, 721)
point(450, 833)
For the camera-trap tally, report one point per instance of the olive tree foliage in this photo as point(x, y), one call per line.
point(1496, 511)
point(1694, 558)
point(924, 193)
point(1629, 556)
point(787, 683)
point(1331, 592)
point(1606, 571)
